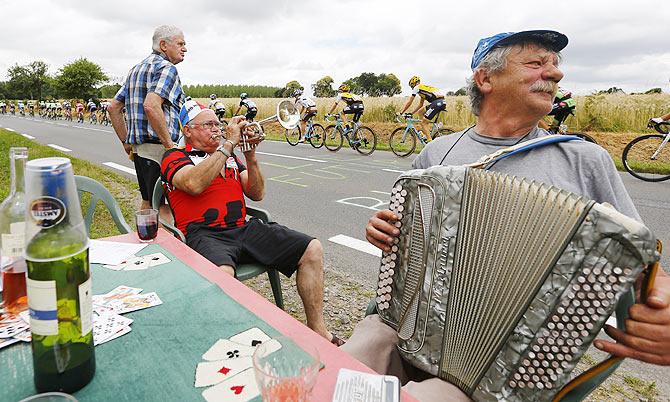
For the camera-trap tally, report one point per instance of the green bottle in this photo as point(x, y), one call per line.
point(59, 278)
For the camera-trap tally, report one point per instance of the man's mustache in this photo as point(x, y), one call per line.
point(544, 86)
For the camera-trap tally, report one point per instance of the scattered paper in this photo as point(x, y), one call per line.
point(111, 252)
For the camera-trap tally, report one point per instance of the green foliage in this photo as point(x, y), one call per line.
point(288, 89)
point(654, 91)
point(80, 79)
point(108, 91)
point(230, 91)
point(612, 90)
point(323, 88)
point(371, 84)
point(28, 81)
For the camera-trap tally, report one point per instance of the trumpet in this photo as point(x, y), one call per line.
point(287, 115)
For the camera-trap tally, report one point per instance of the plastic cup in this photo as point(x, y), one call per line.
point(286, 374)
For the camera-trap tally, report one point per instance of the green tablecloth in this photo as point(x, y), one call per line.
point(156, 361)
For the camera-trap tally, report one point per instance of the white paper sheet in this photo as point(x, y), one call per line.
point(356, 386)
point(111, 252)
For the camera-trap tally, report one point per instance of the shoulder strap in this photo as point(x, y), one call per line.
point(487, 161)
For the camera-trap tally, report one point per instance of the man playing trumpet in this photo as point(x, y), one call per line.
point(205, 183)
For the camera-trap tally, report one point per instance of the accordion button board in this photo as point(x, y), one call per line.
point(499, 284)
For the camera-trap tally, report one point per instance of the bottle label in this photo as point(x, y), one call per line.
point(13, 242)
point(86, 306)
point(47, 211)
point(42, 304)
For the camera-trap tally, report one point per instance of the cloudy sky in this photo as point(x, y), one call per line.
point(271, 42)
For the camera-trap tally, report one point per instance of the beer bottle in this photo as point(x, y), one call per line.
point(59, 278)
point(12, 235)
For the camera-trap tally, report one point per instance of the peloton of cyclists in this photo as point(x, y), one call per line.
point(217, 106)
point(307, 108)
point(432, 95)
point(251, 109)
point(354, 104)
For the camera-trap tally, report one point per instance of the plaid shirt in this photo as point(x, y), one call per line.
point(153, 74)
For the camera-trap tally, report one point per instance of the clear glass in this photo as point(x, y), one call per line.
point(285, 374)
point(147, 224)
point(12, 235)
point(50, 397)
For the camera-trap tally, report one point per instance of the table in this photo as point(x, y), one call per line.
point(157, 359)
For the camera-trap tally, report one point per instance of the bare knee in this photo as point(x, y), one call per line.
point(313, 255)
point(228, 269)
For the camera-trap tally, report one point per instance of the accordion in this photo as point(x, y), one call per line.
point(499, 284)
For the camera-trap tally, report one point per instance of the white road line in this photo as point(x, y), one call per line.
point(30, 137)
point(356, 244)
point(120, 167)
point(380, 192)
point(394, 171)
point(291, 157)
point(9, 129)
point(58, 147)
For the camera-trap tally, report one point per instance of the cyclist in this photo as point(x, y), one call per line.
point(22, 109)
point(67, 107)
point(307, 108)
point(661, 119)
point(252, 110)
point(92, 108)
point(59, 109)
point(354, 104)
point(217, 106)
point(80, 111)
point(3, 107)
point(104, 105)
point(429, 94)
point(561, 109)
point(31, 108)
point(12, 108)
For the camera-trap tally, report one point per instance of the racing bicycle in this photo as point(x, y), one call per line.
point(93, 117)
point(315, 134)
point(647, 157)
point(403, 139)
point(557, 126)
point(360, 138)
point(104, 119)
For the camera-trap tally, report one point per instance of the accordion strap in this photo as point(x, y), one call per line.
point(487, 161)
point(583, 384)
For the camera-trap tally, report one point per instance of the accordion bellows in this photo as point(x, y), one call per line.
point(498, 284)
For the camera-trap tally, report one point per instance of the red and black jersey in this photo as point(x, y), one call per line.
point(220, 205)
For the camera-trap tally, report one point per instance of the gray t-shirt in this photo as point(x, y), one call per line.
point(578, 166)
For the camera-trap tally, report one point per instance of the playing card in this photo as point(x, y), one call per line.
point(210, 373)
point(135, 302)
point(241, 388)
point(119, 333)
point(9, 318)
point(156, 259)
point(25, 316)
point(136, 264)
point(105, 326)
point(119, 293)
point(10, 329)
point(118, 267)
point(226, 349)
point(251, 337)
point(7, 342)
point(25, 336)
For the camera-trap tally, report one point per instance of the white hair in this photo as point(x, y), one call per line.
point(164, 32)
point(494, 62)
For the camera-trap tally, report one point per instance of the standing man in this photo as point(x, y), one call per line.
point(514, 81)
point(152, 96)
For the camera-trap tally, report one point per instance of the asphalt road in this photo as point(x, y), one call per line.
point(327, 195)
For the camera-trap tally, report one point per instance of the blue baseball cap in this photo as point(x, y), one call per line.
point(553, 40)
